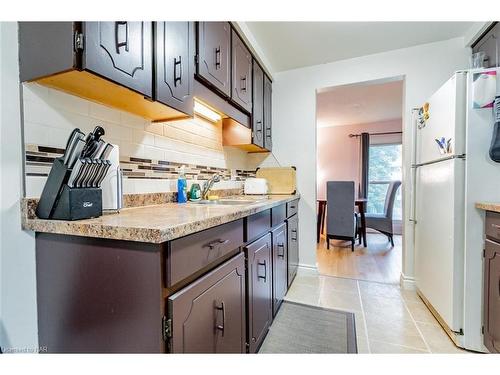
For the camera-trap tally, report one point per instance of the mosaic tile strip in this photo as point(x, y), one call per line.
point(39, 161)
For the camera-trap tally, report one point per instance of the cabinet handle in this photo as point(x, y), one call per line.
point(259, 128)
point(177, 69)
point(496, 226)
point(282, 246)
point(222, 308)
point(216, 243)
point(119, 44)
point(217, 58)
point(294, 231)
point(265, 271)
point(268, 132)
point(243, 80)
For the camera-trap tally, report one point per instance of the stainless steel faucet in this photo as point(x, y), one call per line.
point(208, 185)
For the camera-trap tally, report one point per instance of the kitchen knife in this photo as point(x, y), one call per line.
point(107, 165)
point(75, 135)
point(90, 174)
point(100, 148)
point(100, 171)
point(76, 152)
point(95, 172)
point(75, 173)
point(92, 141)
point(83, 173)
point(107, 150)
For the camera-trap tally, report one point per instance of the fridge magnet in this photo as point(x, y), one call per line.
point(484, 87)
point(423, 115)
point(444, 145)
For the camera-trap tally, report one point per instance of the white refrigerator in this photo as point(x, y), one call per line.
point(447, 184)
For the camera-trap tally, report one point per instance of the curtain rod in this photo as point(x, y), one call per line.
point(383, 133)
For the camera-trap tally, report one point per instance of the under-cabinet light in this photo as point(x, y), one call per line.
point(203, 110)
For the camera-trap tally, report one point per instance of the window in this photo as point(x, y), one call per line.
point(384, 166)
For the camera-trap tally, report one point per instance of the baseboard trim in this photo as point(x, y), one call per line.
point(407, 282)
point(308, 267)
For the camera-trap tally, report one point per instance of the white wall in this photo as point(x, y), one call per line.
point(424, 67)
point(18, 325)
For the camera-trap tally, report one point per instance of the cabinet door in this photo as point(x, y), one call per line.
point(280, 261)
point(174, 64)
point(490, 45)
point(208, 316)
point(122, 52)
point(293, 247)
point(214, 52)
point(492, 296)
point(268, 91)
point(258, 105)
point(242, 73)
point(260, 310)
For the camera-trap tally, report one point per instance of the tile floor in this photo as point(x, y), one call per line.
point(388, 319)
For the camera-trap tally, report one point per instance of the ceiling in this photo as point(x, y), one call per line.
point(360, 103)
point(290, 45)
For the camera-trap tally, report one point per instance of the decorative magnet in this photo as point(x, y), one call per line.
point(444, 146)
point(423, 115)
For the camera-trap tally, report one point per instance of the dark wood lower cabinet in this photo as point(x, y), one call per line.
point(208, 316)
point(492, 296)
point(280, 261)
point(293, 247)
point(260, 291)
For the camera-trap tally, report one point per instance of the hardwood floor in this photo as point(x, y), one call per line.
point(377, 262)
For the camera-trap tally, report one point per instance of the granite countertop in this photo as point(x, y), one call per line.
point(154, 223)
point(488, 206)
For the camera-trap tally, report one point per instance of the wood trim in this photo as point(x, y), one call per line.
point(97, 89)
point(452, 335)
point(237, 135)
point(212, 99)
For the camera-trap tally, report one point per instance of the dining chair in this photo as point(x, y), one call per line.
point(341, 221)
point(383, 222)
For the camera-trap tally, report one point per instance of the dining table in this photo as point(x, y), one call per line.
point(360, 204)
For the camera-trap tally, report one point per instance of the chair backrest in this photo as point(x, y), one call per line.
point(340, 208)
point(390, 198)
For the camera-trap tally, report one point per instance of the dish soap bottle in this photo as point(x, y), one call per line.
point(182, 186)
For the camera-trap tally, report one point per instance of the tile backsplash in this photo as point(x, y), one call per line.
point(150, 153)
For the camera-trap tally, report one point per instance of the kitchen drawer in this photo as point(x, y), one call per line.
point(197, 252)
point(493, 226)
point(292, 208)
point(257, 225)
point(278, 215)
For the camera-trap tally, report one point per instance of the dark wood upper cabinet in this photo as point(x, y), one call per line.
point(489, 43)
point(208, 316)
point(174, 59)
point(258, 105)
point(122, 52)
point(241, 73)
point(280, 261)
point(260, 311)
point(214, 55)
point(293, 247)
point(268, 92)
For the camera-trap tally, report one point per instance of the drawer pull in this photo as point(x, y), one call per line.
point(282, 246)
point(222, 308)
point(216, 243)
point(294, 231)
point(265, 271)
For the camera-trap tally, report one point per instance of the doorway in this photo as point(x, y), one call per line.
point(359, 140)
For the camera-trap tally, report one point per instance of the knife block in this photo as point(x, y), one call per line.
point(59, 201)
point(78, 203)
